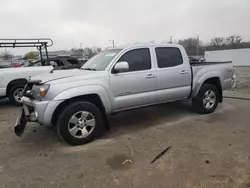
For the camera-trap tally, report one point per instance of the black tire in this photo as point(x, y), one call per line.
point(197, 102)
point(12, 91)
point(68, 112)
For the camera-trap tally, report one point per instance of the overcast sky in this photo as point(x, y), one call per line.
point(95, 22)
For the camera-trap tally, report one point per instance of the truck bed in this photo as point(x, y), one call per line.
point(208, 63)
point(223, 70)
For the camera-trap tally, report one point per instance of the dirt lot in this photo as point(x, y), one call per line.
point(206, 151)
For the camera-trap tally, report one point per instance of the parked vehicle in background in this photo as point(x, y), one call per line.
point(15, 65)
point(193, 59)
point(202, 59)
point(26, 63)
point(78, 102)
point(3, 66)
point(83, 61)
point(12, 81)
point(60, 62)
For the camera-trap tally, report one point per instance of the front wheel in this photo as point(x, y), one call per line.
point(207, 99)
point(80, 123)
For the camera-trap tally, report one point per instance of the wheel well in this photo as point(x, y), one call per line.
point(216, 82)
point(14, 82)
point(92, 98)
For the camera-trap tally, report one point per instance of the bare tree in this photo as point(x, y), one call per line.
point(231, 42)
point(87, 52)
point(6, 55)
point(191, 45)
point(218, 41)
point(234, 40)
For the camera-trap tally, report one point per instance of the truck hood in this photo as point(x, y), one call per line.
point(59, 76)
point(25, 69)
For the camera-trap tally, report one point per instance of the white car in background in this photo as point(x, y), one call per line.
point(13, 80)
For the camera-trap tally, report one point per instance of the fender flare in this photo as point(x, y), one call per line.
point(86, 90)
point(199, 81)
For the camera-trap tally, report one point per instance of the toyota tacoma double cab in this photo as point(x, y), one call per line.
point(79, 102)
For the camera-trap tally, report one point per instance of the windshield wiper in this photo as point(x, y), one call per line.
point(90, 69)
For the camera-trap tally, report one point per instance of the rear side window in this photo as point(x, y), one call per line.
point(168, 57)
point(73, 61)
point(59, 63)
point(138, 59)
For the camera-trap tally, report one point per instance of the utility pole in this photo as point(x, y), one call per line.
point(170, 39)
point(80, 45)
point(113, 43)
point(198, 45)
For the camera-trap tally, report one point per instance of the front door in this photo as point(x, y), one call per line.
point(137, 86)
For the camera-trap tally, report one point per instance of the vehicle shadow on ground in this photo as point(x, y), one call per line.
point(140, 119)
point(41, 137)
point(5, 103)
point(120, 124)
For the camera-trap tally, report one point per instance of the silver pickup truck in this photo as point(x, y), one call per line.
point(78, 102)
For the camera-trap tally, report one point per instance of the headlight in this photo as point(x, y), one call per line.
point(40, 91)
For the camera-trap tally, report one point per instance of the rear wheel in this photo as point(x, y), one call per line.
point(80, 123)
point(15, 94)
point(207, 99)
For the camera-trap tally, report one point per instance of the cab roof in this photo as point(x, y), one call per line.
point(145, 46)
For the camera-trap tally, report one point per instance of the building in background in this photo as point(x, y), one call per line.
point(239, 57)
point(52, 54)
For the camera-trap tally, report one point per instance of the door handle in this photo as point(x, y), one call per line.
point(150, 76)
point(184, 72)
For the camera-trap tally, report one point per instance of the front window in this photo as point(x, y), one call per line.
point(138, 59)
point(100, 61)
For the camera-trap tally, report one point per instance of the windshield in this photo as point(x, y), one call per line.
point(35, 64)
point(25, 64)
point(100, 61)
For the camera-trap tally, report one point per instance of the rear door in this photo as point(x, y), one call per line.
point(137, 86)
point(173, 74)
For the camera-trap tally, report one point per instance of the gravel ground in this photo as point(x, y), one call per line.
point(206, 150)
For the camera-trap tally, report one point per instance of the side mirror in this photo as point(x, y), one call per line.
point(121, 67)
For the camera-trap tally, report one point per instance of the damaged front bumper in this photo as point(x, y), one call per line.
point(35, 111)
point(32, 111)
point(26, 115)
